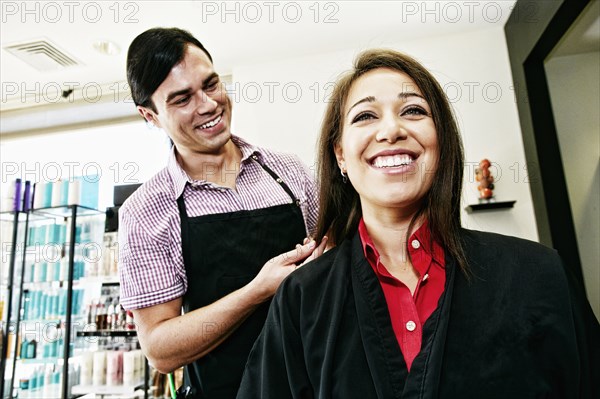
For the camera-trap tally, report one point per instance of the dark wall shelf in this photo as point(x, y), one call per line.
point(488, 206)
point(107, 333)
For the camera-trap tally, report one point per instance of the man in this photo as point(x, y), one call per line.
point(215, 231)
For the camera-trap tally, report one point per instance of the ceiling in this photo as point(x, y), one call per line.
point(236, 33)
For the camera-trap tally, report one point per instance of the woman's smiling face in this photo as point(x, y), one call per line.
point(389, 142)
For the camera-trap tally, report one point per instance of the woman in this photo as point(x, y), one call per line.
point(408, 304)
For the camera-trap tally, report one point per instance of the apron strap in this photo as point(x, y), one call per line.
point(277, 179)
point(185, 233)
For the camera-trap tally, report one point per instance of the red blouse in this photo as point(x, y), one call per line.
point(409, 312)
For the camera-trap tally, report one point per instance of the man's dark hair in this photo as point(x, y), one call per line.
point(151, 57)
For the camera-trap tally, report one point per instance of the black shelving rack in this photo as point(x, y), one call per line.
point(16, 218)
point(70, 213)
point(13, 317)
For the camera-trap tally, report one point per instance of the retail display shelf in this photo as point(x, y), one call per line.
point(45, 285)
point(106, 280)
point(9, 216)
point(65, 211)
point(43, 360)
point(488, 206)
point(107, 333)
point(56, 321)
point(106, 389)
point(33, 285)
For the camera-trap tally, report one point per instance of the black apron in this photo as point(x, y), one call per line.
point(222, 253)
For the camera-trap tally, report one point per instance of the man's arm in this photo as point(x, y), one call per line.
point(170, 340)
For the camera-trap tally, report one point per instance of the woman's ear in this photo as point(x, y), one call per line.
point(339, 155)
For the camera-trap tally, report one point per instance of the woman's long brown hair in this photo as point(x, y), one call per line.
point(340, 209)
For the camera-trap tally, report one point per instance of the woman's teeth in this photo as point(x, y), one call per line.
point(392, 161)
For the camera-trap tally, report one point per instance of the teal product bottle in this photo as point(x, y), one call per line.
point(31, 235)
point(40, 377)
point(32, 349)
point(23, 350)
point(46, 351)
point(54, 347)
point(33, 380)
point(56, 276)
point(60, 345)
point(42, 235)
point(29, 309)
point(47, 200)
point(24, 384)
point(55, 233)
point(36, 273)
point(75, 270)
point(39, 295)
point(76, 301)
point(43, 271)
point(62, 236)
point(62, 303)
point(53, 311)
point(78, 233)
point(90, 188)
point(43, 305)
point(49, 272)
point(34, 305)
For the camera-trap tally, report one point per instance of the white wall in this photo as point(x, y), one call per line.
point(574, 83)
point(474, 69)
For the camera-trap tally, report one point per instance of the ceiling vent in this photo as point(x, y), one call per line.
point(42, 54)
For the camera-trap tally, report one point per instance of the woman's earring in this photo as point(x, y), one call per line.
point(344, 176)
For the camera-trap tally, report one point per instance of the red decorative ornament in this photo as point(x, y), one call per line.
point(485, 179)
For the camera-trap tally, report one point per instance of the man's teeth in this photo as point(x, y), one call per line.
point(211, 123)
point(392, 161)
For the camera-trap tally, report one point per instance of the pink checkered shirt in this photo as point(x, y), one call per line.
point(150, 260)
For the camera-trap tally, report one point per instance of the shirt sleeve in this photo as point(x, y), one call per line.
point(150, 270)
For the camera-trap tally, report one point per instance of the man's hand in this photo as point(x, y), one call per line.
point(160, 326)
point(278, 268)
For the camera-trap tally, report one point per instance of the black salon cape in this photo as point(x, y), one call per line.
point(520, 328)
